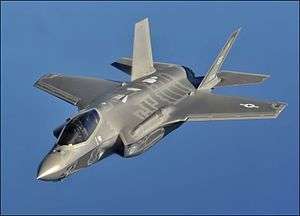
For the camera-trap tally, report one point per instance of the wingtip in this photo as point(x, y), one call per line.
point(280, 106)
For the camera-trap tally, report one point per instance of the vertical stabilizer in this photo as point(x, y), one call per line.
point(211, 79)
point(142, 62)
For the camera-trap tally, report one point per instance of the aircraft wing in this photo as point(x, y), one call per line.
point(78, 91)
point(204, 106)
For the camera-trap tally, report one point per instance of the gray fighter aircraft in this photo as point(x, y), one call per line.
point(127, 118)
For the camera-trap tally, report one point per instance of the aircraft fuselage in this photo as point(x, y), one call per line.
point(132, 118)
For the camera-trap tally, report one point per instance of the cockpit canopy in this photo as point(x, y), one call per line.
point(80, 128)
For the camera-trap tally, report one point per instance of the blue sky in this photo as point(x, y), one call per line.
point(223, 167)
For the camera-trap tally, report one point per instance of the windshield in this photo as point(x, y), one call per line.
point(79, 128)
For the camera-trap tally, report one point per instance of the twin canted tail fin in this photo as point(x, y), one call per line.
point(142, 61)
point(211, 79)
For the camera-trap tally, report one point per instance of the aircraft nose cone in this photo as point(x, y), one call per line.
point(51, 168)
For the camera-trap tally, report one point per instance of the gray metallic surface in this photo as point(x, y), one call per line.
point(234, 78)
point(135, 115)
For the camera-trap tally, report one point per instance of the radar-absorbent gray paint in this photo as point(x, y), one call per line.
point(128, 118)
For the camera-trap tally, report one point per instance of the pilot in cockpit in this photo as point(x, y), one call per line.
point(79, 128)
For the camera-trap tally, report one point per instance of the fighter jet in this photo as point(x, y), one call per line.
point(129, 117)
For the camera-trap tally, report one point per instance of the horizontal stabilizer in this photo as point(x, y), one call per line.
point(125, 65)
point(234, 78)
